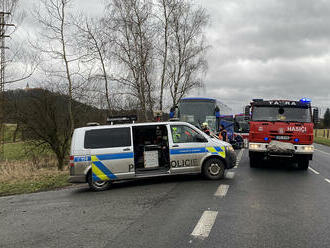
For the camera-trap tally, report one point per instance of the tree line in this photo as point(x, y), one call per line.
point(140, 55)
point(145, 54)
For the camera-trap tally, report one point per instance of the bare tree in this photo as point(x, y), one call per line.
point(95, 44)
point(186, 62)
point(52, 15)
point(166, 10)
point(131, 23)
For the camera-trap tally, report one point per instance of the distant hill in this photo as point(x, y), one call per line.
point(19, 98)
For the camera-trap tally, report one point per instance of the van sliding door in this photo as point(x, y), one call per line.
point(111, 153)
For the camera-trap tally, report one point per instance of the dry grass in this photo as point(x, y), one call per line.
point(25, 169)
point(26, 176)
point(322, 133)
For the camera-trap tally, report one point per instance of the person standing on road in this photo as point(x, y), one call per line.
point(223, 133)
point(205, 128)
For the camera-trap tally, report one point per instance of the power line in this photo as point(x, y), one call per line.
point(3, 48)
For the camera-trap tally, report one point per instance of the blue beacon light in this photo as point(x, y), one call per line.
point(305, 100)
point(266, 139)
point(296, 140)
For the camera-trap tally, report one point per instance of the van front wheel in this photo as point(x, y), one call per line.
point(214, 169)
point(97, 186)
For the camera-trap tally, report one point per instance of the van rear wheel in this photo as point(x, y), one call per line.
point(97, 185)
point(214, 169)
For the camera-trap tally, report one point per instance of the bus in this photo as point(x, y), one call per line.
point(197, 110)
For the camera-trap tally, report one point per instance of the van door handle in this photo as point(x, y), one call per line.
point(126, 149)
point(175, 146)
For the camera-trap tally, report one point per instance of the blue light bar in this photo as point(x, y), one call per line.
point(305, 100)
point(296, 140)
point(266, 138)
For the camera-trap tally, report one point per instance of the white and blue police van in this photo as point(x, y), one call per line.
point(103, 154)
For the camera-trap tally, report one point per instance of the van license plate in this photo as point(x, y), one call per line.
point(282, 137)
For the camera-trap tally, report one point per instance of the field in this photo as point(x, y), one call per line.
point(26, 169)
point(322, 136)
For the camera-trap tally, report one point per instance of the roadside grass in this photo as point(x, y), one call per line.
point(9, 130)
point(323, 141)
point(27, 168)
point(39, 183)
point(18, 177)
point(23, 151)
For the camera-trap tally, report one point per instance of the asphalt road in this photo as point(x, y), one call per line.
point(273, 206)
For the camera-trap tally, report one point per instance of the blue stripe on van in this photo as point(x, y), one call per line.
point(218, 149)
point(188, 150)
point(104, 169)
point(115, 156)
point(96, 178)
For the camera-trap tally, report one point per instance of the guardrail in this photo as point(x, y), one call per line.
point(322, 133)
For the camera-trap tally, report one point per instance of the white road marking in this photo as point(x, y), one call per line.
point(230, 175)
point(327, 180)
point(205, 224)
point(222, 190)
point(239, 157)
point(323, 152)
point(312, 170)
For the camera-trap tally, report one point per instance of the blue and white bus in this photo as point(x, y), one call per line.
point(197, 110)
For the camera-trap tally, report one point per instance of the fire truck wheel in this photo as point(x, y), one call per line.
point(97, 186)
point(214, 169)
point(303, 164)
point(254, 161)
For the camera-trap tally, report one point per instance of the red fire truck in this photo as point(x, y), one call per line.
point(281, 129)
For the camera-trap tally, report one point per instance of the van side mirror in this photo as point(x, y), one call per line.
point(247, 113)
point(316, 119)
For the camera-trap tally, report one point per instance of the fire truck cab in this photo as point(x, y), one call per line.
point(281, 129)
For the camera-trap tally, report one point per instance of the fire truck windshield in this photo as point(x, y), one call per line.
point(279, 113)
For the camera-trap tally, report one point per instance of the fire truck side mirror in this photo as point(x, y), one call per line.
point(247, 113)
point(316, 118)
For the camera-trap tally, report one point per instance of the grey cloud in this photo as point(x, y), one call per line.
point(268, 49)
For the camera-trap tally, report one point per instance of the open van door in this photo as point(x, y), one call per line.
point(111, 153)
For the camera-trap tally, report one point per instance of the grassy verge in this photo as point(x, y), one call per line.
point(323, 141)
point(27, 176)
point(38, 183)
point(23, 151)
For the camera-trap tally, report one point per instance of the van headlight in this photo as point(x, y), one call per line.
point(230, 148)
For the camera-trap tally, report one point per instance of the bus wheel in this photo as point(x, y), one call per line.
point(97, 186)
point(214, 169)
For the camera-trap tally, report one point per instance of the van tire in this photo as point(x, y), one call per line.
point(97, 186)
point(214, 169)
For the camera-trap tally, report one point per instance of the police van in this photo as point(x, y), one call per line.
point(103, 154)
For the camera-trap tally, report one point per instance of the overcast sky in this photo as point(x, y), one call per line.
point(261, 49)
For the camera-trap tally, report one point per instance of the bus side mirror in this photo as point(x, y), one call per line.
point(316, 118)
point(247, 113)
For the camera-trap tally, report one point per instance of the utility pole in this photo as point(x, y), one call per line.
point(3, 36)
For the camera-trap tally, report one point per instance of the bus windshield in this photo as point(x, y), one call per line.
point(278, 113)
point(198, 111)
point(241, 125)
